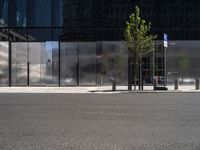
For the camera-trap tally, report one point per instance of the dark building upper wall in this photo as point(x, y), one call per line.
point(106, 19)
point(93, 20)
point(96, 13)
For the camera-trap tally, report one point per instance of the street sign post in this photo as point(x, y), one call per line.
point(165, 55)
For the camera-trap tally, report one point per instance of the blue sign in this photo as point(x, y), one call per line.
point(165, 40)
point(165, 37)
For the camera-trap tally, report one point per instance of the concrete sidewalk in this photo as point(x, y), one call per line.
point(101, 89)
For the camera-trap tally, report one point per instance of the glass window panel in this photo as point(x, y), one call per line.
point(87, 63)
point(17, 13)
point(55, 62)
point(183, 61)
point(49, 64)
point(68, 63)
point(58, 13)
point(58, 34)
point(4, 34)
point(114, 63)
point(39, 34)
point(4, 12)
point(39, 13)
point(19, 63)
point(35, 50)
point(18, 34)
point(4, 63)
point(69, 34)
point(43, 65)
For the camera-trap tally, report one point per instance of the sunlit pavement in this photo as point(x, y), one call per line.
point(127, 121)
point(91, 89)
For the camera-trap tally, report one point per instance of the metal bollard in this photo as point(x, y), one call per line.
point(197, 87)
point(176, 84)
point(155, 83)
point(113, 85)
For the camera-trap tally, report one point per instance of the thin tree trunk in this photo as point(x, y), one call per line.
point(134, 75)
point(135, 71)
point(139, 82)
point(140, 62)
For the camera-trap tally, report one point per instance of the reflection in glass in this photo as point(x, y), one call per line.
point(183, 61)
point(19, 63)
point(17, 13)
point(35, 50)
point(18, 34)
point(39, 59)
point(39, 13)
point(55, 63)
point(87, 63)
point(3, 12)
point(69, 63)
point(39, 34)
point(3, 63)
point(3, 34)
point(58, 13)
point(49, 63)
point(114, 63)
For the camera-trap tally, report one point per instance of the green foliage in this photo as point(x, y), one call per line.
point(183, 61)
point(137, 34)
point(139, 40)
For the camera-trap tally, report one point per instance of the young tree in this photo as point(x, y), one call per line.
point(139, 41)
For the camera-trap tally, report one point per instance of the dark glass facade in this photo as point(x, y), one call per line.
point(78, 42)
point(31, 13)
point(105, 20)
point(99, 20)
point(31, 20)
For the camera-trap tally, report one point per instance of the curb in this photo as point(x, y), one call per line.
point(119, 91)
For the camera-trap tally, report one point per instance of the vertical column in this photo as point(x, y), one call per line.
point(77, 64)
point(59, 63)
point(28, 73)
point(165, 61)
point(10, 64)
point(28, 65)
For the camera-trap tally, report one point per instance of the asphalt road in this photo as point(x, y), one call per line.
point(100, 122)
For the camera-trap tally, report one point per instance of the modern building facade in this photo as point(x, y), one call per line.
point(76, 42)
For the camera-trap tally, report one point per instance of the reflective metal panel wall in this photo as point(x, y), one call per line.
point(114, 63)
point(91, 63)
point(19, 63)
point(87, 63)
point(50, 63)
point(55, 62)
point(4, 63)
point(68, 63)
point(35, 51)
point(183, 61)
point(46, 63)
point(35, 63)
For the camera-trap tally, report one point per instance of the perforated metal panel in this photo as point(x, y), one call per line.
point(4, 63)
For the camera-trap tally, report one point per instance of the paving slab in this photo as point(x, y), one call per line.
point(91, 89)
